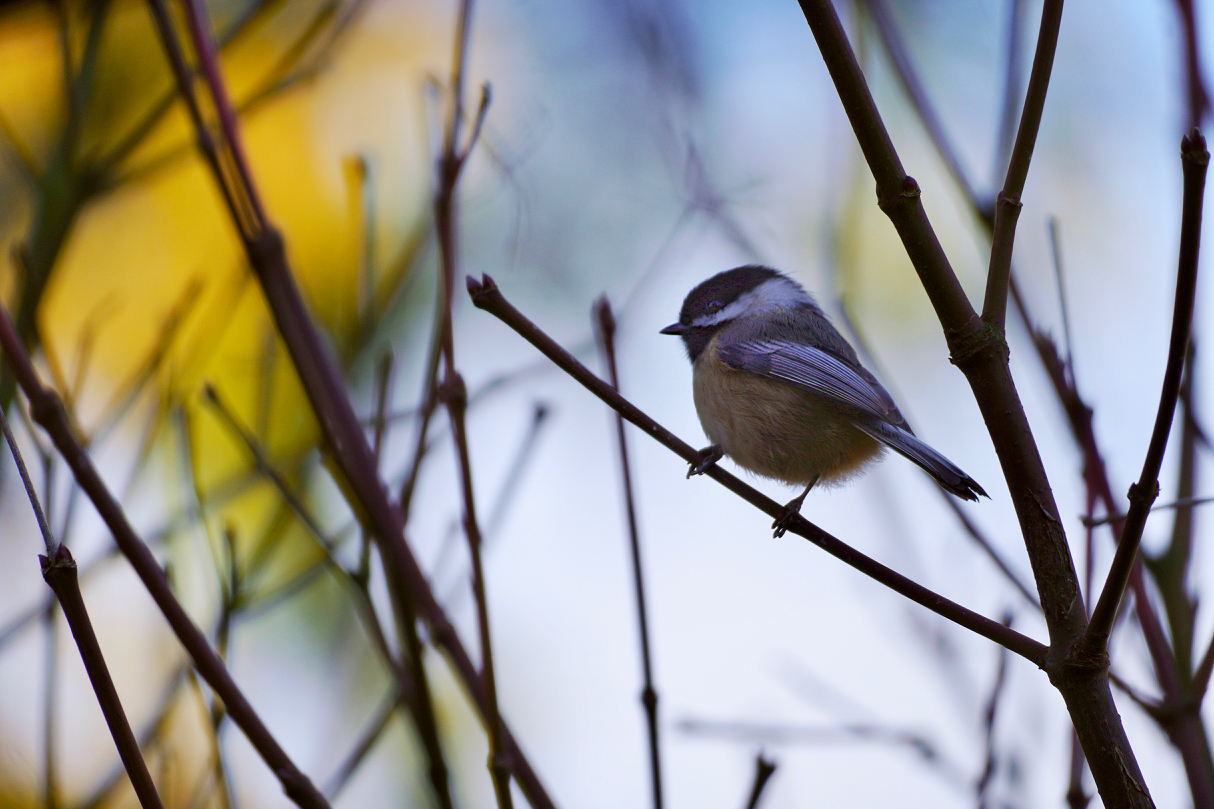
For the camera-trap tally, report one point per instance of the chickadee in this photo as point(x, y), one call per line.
point(780, 391)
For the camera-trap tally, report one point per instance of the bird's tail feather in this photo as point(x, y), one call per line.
point(942, 469)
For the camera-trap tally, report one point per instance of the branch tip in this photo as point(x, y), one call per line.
point(480, 291)
point(604, 317)
point(1193, 147)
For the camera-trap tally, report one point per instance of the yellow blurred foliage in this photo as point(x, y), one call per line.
point(159, 247)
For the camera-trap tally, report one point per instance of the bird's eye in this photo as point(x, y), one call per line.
point(714, 307)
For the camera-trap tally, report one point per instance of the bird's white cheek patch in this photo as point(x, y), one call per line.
point(776, 293)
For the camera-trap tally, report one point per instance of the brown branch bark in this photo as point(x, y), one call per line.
point(59, 571)
point(979, 350)
point(1007, 204)
point(1195, 160)
point(604, 327)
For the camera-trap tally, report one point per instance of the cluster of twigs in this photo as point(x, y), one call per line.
point(1075, 658)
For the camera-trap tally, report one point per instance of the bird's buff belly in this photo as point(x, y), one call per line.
point(761, 425)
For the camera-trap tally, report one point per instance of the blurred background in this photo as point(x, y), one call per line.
point(630, 149)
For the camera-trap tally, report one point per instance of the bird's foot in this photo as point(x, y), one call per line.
point(708, 456)
point(791, 510)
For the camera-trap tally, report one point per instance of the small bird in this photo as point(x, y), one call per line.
point(780, 391)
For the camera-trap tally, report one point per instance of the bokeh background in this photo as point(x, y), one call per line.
point(631, 149)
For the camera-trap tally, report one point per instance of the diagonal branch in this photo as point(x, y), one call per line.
point(486, 295)
point(59, 570)
point(1195, 159)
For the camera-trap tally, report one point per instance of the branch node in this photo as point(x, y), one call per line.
point(1082, 661)
point(907, 189)
point(978, 340)
point(62, 560)
point(453, 391)
point(1143, 494)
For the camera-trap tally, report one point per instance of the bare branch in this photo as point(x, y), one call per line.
point(59, 570)
point(1194, 159)
point(1007, 204)
point(604, 323)
point(486, 295)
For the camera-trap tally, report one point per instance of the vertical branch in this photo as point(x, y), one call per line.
point(1011, 84)
point(1194, 159)
point(1076, 798)
point(455, 394)
point(1007, 204)
point(992, 708)
point(1197, 95)
point(50, 766)
point(452, 390)
point(604, 323)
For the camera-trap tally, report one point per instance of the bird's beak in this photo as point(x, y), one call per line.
point(674, 328)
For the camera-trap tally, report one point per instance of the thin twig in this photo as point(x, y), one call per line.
point(992, 707)
point(1194, 159)
point(1183, 502)
point(514, 476)
point(1060, 281)
point(1007, 203)
point(48, 539)
point(51, 685)
point(455, 395)
point(1011, 95)
point(452, 390)
point(1197, 96)
point(1076, 796)
point(887, 29)
point(366, 743)
point(604, 326)
point(925, 748)
point(487, 296)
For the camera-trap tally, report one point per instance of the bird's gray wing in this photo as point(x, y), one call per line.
point(826, 375)
point(814, 370)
